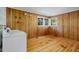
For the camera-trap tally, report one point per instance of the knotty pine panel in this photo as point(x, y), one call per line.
point(42, 30)
point(68, 25)
point(9, 17)
point(78, 25)
point(60, 26)
point(75, 25)
point(32, 26)
point(13, 19)
point(27, 17)
point(25, 21)
point(71, 26)
point(17, 19)
point(22, 20)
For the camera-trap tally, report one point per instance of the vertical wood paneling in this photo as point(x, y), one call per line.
point(60, 26)
point(78, 25)
point(68, 25)
point(42, 30)
point(33, 25)
point(71, 26)
point(9, 17)
point(22, 21)
point(13, 19)
point(65, 25)
point(30, 29)
point(16, 18)
point(27, 17)
point(50, 30)
point(25, 21)
point(75, 25)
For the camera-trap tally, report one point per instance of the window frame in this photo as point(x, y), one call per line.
point(42, 21)
point(49, 21)
point(54, 23)
point(46, 22)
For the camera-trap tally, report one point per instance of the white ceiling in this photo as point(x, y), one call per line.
point(48, 11)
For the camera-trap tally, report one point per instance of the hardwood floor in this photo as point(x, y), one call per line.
point(50, 43)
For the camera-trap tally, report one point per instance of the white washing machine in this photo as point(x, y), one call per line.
point(14, 41)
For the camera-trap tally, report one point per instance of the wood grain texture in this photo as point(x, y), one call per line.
point(60, 26)
point(42, 31)
point(78, 25)
point(68, 25)
point(32, 25)
point(51, 43)
point(25, 21)
point(9, 17)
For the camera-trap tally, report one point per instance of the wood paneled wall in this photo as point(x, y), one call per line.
point(25, 21)
point(42, 31)
point(68, 25)
point(52, 31)
point(16, 19)
point(33, 25)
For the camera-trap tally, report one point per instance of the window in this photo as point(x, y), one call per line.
point(54, 21)
point(40, 21)
point(46, 22)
